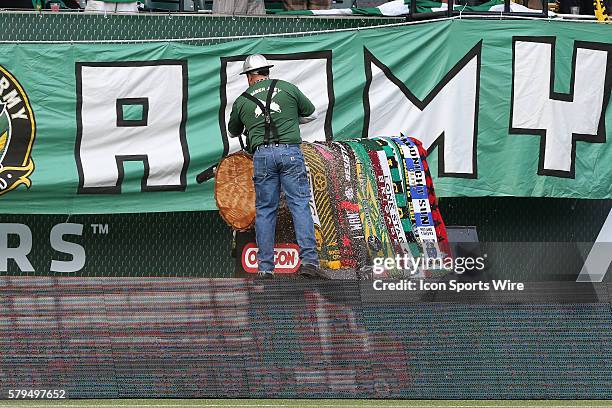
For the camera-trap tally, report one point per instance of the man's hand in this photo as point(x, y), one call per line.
point(306, 119)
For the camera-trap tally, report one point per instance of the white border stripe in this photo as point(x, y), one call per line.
point(600, 257)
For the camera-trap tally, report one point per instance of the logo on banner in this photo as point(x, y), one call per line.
point(17, 131)
point(286, 258)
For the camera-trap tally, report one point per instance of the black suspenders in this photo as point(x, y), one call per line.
point(270, 127)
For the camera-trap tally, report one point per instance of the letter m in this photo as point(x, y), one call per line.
point(446, 117)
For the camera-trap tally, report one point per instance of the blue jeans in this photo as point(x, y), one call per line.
point(277, 166)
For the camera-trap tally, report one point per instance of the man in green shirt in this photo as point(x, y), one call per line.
point(271, 111)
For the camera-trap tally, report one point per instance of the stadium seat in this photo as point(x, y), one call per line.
point(20, 4)
point(336, 4)
point(340, 4)
point(168, 5)
point(203, 4)
point(274, 5)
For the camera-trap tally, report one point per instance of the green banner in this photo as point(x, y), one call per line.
point(514, 108)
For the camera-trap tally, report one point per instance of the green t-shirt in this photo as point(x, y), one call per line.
point(287, 105)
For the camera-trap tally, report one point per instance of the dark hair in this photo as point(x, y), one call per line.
point(263, 71)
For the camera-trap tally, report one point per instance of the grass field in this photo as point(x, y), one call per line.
point(327, 403)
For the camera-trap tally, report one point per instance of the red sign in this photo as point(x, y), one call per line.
point(286, 258)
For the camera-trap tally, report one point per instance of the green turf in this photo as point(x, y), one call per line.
point(323, 403)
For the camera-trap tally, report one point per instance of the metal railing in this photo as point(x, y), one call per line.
point(452, 11)
point(198, 6)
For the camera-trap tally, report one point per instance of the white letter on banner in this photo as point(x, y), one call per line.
point(66, 247)
point(131, 111)
point(311, 72)
point(559, 119)
point(19, 253)
point(447, 116)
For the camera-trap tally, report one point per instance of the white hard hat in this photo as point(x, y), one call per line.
point(255, 62)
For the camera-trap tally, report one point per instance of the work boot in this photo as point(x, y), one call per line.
point(265, 275)
point(309, 271)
